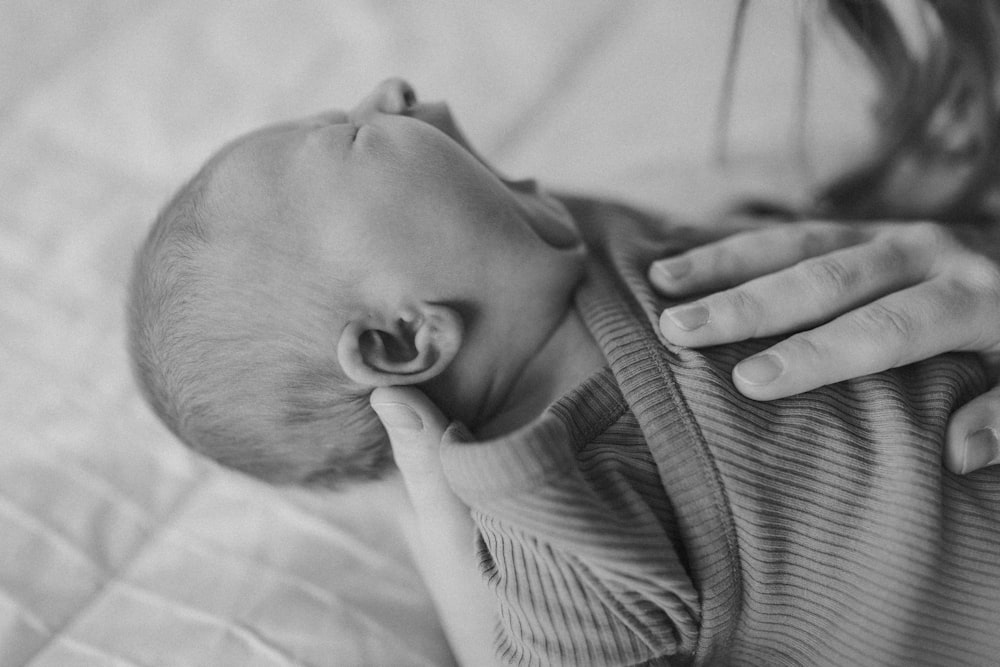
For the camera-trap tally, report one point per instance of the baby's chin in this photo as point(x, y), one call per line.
point(547, 216)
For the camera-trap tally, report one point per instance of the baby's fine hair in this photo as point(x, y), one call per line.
point(242, 372)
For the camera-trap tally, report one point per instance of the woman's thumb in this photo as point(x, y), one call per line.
point(973, 440)
point(414, 424)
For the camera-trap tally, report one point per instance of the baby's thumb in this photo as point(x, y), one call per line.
point(973, 440)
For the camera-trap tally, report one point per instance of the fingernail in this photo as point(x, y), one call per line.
point(459, 432)
point(674, 269)
point(762, 369)
point(688, 317)
point(398, 416)
point(982, 448)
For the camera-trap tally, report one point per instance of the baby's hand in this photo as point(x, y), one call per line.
point(866, 298)
point(442, 535)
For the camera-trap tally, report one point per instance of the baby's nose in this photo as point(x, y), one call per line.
point(392, 96)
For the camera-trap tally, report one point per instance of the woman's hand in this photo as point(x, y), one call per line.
point(442, 532)
point(864, 297)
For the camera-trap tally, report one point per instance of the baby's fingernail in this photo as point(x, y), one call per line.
point(982, 448)
point(674, 269)
point(762, 369)
point(688, 317)
point(398, 416)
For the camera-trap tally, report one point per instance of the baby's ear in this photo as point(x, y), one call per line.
point(414, 347)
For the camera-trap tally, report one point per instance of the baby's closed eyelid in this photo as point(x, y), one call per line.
point(326, 118)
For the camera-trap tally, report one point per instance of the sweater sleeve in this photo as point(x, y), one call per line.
point(582, 575)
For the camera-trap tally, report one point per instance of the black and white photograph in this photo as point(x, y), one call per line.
point(439, 333)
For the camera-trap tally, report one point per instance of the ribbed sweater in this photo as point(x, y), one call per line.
point(655, 515)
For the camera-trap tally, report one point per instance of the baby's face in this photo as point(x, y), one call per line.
point(386, 191)
point(389, 196)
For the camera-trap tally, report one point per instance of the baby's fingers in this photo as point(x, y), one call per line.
point(742, 257)
point(973, 440)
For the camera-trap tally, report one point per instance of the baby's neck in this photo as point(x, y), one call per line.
point(568, 357)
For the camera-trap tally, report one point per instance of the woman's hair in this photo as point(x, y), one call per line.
point(244, 372)
point(952, 73)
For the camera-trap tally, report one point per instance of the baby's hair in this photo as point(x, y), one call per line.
point(240, 371)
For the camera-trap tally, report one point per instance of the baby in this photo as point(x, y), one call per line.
point(311, 261)
point(631, 506)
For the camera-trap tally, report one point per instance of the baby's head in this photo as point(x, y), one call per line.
point(309, 262)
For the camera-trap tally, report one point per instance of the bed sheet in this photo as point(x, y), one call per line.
point(117, 546)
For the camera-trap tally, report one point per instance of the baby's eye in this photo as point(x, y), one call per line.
point(326, 118)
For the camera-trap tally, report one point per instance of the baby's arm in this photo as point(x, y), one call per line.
point(577, 577)
point(441, 531)
point(582, 567)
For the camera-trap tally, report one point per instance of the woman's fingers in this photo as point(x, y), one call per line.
point(973, 440)
point(441, 534)
point(904, 327)
point(907, 292)
point(883, 297)
point(748, 255)
point(790, 299)
point(415, 427)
